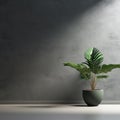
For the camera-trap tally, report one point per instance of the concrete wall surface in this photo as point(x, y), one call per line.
point(38, 36)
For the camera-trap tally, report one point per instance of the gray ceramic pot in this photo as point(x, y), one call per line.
point(93, 97)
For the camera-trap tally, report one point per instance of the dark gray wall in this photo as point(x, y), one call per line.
point(38, 36)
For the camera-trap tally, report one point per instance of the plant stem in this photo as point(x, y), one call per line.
point(93, 81)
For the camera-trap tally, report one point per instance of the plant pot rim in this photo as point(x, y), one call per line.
point(94, 90)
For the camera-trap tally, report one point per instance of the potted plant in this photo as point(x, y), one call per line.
point(93, 69)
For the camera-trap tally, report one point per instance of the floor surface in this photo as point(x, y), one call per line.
point(59, 112)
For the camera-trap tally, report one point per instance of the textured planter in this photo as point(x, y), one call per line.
point(93, 97)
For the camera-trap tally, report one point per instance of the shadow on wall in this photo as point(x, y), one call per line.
point(25, 25)
point(42, 17)
point(56, 13)
point(30, 22)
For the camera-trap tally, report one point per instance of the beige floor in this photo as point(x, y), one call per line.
point(54, 108)
point(59, 112)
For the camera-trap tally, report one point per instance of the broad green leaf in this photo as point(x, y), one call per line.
point(94, 58)
point(88, 53)
point(82, 68)
point(108, 68)
point(73, 65)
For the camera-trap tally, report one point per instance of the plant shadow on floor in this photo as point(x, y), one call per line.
point(54, 106)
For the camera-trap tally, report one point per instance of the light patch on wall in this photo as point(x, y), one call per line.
point(99, 27)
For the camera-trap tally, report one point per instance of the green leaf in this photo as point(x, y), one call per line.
point(108, 68)
point(102, 76)
point(94, 58)
point(73, 65)
point(88, 53)
point(82, 68)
